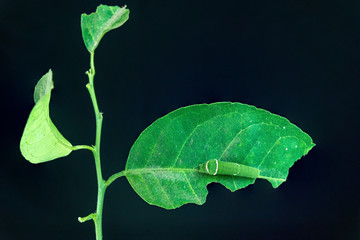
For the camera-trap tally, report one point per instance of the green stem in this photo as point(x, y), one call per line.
point(97, 217)
point(102, 185)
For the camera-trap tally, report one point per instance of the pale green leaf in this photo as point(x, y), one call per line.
point(95, 25)
point(41, 141)
point(163, 164)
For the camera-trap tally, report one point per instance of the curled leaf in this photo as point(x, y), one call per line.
point(41, 141)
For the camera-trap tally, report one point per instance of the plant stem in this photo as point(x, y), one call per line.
point(97, 217)
point(102, 185)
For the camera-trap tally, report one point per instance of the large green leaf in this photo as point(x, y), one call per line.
point(95, 25)
point(41, 141)
point(163, 164)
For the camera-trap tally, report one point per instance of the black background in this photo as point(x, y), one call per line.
point(298, 59)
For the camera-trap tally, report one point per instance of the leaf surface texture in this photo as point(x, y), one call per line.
point(162, 166)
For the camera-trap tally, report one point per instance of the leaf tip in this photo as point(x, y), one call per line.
point(43, 86)
point(276, 183)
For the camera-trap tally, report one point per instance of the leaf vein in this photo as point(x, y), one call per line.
point(233, 139)
point(262, 160)
point(182, 147)
point(163, 190)
point(192, 189)
point(147, 188)
point(157, 141)
point(194, 130)
point(235, 185)
point(252, 147)
point(282, 137)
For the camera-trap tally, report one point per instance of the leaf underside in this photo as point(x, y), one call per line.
point(41, 141)
point(95, 25)
point(162, 166)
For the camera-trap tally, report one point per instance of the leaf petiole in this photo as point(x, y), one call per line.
point(87, 218)
point(80, 147)
point(114, 177)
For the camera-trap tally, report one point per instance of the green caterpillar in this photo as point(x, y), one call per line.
point(215, 167)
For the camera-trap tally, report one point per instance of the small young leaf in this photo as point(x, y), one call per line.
point(163, 164)
point(95, 25)
point(41, 141)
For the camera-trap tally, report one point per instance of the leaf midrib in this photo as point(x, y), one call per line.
point(184, 170)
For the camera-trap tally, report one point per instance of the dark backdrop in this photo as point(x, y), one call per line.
point(298, 59)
